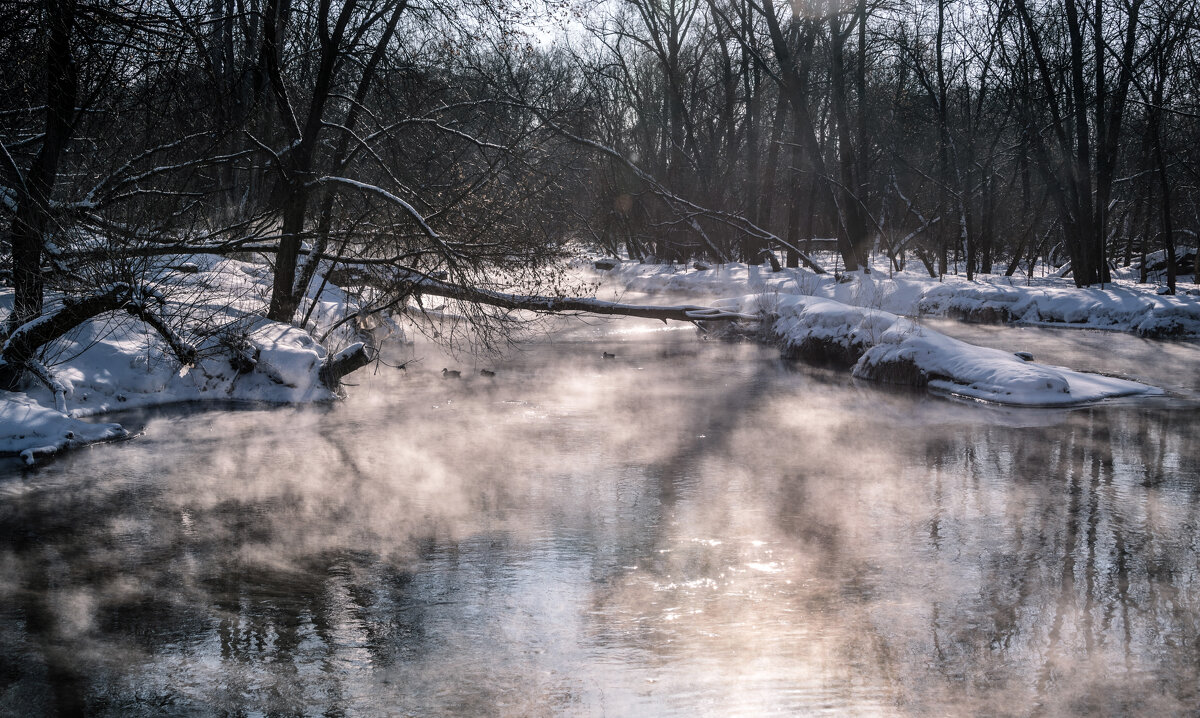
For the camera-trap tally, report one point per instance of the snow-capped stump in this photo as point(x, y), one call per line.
point(347, 360)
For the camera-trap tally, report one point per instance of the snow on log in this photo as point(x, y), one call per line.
point(537, 303)
point(23, 343)
point(183, 351)
point(352, 358)
point(404, 282)
point(52, 382)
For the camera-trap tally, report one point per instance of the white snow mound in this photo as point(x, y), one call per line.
point(29, 429)
point(885, 347)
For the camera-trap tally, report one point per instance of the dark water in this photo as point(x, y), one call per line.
point(691, 529)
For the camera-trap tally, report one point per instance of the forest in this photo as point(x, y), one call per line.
point(470, 148)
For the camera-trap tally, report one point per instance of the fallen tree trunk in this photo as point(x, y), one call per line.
point(352, 358)
point(413, 283)
point(406, 283)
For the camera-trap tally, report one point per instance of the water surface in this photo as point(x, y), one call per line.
point(690, 529)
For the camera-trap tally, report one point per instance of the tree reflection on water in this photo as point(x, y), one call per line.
point(693, 530)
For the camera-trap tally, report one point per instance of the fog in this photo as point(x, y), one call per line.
point(693, 528)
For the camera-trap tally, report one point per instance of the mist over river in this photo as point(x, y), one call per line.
point(693, 528)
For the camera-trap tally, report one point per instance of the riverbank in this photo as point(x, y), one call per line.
point(818, 319)
point(1123, 305)
point(116, 363)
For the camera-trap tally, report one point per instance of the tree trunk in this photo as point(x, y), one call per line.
point(32, 219)
point(299, 163)
point(26, 340)
point(284, 300)
point(853, 237)
point(793, 219)
point(1164, 182)
point(768, 190)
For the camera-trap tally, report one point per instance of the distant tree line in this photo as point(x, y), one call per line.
point(976, 132)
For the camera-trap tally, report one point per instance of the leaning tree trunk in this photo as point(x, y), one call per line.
point(20, 349)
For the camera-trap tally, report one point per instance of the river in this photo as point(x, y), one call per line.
point(690, 529)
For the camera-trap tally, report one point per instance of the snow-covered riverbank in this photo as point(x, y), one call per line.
point(1122, 305)
point(117, 363)
point(882, 346)
point(816, 318)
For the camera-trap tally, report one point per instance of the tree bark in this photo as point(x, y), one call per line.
point(32, 220)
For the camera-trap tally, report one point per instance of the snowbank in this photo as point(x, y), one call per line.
point(881, 346)
point(29, 429)
point(1122, 306)
point(117, 362)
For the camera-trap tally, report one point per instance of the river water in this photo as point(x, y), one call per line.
point(691, 529)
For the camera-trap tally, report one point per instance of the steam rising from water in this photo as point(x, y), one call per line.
point(689, 529)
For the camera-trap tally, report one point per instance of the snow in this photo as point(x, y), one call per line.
point(808, 322)
point(885, 347)
point(1119, 307)
point(30, 429)
point(1122, 305)
point(412, 211)
point(347, 352)
point(117, 362)
point(288, 357)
